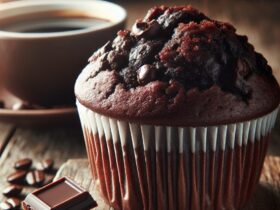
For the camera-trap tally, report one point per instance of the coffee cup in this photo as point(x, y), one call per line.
point(45, 44)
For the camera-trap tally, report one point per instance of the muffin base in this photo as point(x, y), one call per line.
point(175, 168)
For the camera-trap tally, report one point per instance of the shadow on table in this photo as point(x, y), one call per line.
point(274, 146)
point(266, 197)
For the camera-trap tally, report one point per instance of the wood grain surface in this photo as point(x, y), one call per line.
point(266, 197)
point(6, 131)
point(58, 143)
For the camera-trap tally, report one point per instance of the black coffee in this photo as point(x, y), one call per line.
point(47, 29)
point(59, 21)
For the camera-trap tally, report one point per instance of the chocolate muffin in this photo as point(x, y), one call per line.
point(177, 113)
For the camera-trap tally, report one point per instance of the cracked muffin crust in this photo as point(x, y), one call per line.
point(177, 66)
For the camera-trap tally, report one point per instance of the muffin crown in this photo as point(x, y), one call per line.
point(178, 66)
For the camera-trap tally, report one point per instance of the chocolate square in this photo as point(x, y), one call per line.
point(60, 195)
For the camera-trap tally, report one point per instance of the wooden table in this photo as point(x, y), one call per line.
point(62, 142)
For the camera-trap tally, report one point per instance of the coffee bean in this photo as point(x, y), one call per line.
point(23, 164)
point(35, 178)
point(17, 177)
point(45, 165)
point(15, 202)
point(146, 74)
point(12, 191)
point(22, 105)
point(10, 204)
point(6, 206)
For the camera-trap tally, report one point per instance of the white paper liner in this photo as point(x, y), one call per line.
point(175, 168)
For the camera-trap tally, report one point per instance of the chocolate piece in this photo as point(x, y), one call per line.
point(10, 204)
point(23, 164)
point(35, 178)
point(12, 190)
point(45, 165)
point(17, 177)
point(146, 74)
point(61, 194)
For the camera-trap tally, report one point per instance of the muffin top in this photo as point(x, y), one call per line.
point(178, 67)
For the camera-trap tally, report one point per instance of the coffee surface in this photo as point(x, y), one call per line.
point(49, 22)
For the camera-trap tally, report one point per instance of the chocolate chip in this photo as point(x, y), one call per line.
point(35, 178)
point(17, 177)
point(144, 52)
point(146, 74)
point(23, 164)
point(139, 27)
point(45, 165)
point(146, 29)
point(129, 77)
point(10, 204)
point(12, 191)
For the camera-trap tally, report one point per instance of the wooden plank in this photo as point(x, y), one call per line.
point(59, 143)
point(266, 197)
point(6, 131)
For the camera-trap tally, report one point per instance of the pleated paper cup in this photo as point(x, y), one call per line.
point(149, 167)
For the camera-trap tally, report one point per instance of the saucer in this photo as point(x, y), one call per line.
point(34, 116)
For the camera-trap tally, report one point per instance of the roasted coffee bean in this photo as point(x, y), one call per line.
point(45, 165)
point(23, 164)
point(15, 202)
point(27, 106)
point(35, 178)
point(22, 105)
point(12, 191)
point(17, 177)
point(10, 204)
point(6, 206)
